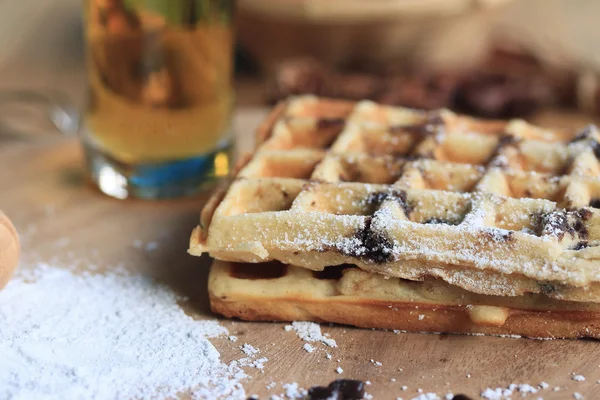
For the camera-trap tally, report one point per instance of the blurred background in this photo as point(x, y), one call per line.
point(494, 58)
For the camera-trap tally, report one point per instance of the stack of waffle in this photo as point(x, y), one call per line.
point(387, 217)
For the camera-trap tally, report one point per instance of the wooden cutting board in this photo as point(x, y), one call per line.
point(63, 220)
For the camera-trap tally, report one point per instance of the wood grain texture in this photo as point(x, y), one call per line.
point(64, 221)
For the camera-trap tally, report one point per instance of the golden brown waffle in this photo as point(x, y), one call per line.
point(498, 208)
point(276, 292)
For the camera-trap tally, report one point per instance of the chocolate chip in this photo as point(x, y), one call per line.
point(578, 226)
point(441, 221)
point(584, 214)
point(322, 393)
point(497, 160)
point(367, 245)
point(580, 245)
point(507, 140)
point(547, 288)
point(400, 197)
point(498, 236)
point(585, 133)
point(433, 124)
point(555, 223)
point(375, 247)
point(436, 119)
point(595, 148)
point(461, 397)
point(560, 222)
point(595, 203)
point(327, 123)
point(348, 389)
point(341, 389)
point(375, 199)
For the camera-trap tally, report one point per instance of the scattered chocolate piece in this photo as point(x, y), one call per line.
point(321, 393)
point(507, 84)
point(495, 95)
point(349, 389)
point(341, 389)
point(461, 397)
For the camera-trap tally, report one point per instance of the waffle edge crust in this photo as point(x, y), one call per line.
point(239, 291)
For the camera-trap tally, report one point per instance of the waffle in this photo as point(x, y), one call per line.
point(495, 207)
point(348, 295)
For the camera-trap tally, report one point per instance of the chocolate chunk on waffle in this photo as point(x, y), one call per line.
point(495, 207)
point(277, 292)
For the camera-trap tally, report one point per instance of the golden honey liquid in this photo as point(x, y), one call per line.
point(160, 81)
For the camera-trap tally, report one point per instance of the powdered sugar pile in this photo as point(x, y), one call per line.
point(292, 391)
point(426, 396)
point(308, 348)
point(113, 335)
point(310, 332)
point(249, 350)
point(503, 393)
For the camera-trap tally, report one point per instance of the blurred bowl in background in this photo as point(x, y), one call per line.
point(426, 33)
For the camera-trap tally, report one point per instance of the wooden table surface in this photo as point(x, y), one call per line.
point(63, 220)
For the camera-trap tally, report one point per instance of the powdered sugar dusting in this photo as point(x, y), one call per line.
point(426, 396)
point(308, 348)
point(292, 391)
point(496, 394)
point(503, 393)
point(114, 335)
point(310, 332)
point(249, 350)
